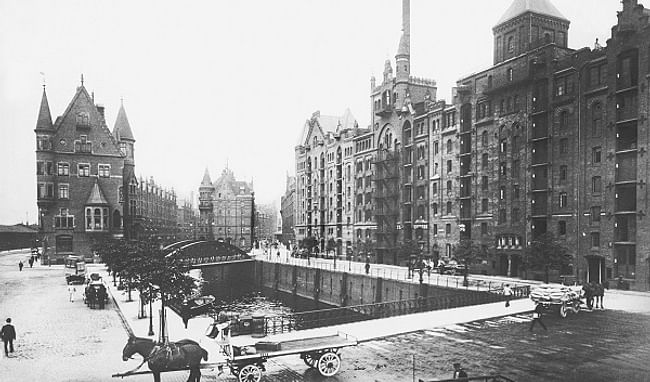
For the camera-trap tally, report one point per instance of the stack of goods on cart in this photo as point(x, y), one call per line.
point(554, 293)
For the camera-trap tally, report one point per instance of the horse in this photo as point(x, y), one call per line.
point(164, 357)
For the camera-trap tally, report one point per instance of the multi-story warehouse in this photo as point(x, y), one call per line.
point(266, 219)
point(187, 221)
point(400, 164)
point(324, 180)
point(551, 139)
point(87, 189)
point(287, 211)
point(156, 213)
point(80, 167)
point(226, 210)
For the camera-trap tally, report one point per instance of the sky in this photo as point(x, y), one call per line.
point(209, 83)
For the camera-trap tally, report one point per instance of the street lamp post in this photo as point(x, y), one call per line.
point(151, 333)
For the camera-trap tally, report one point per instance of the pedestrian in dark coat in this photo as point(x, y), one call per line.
point(537, 317)
point(31, 261)
point(8, 334)
point(588, 288)
point(599, 293)
point(367, 265)
point(20, 265)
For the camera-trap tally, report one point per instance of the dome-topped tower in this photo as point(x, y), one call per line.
point(527, 24)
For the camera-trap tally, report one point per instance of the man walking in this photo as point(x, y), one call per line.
point(537, 317)
point(20, 265)
point(507, 292)
point(71, 291)
point(8, 334)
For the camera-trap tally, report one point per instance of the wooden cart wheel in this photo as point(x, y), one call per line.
point(250, 373)
point(563, 310)
point(310, 360)
point(329, 364)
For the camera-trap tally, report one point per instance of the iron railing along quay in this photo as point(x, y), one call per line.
point(343, 315)
point(482, 378)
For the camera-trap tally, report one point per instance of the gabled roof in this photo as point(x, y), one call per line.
point(541, 7)
point(326, 124)
point(44, 117)
point(122, 129)
point(96, 196)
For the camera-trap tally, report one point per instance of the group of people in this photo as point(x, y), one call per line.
point(593, 291)
point(31, 261)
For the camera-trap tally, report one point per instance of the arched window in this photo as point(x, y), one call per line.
point(484, 138)
point(511, 44)
point(117, 219)
point(448, 208)
point(449, 146)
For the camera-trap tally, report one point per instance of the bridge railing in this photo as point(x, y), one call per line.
point(336, 316)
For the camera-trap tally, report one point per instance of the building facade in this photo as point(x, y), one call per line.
point(399, 166)
point(155, 216)
point(87, 190)
point(80, 167)
point(551, 141)
point(324, 180)
point(287, 211)
point(226, 210)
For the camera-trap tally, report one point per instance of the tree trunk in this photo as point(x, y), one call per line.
point(546, 274)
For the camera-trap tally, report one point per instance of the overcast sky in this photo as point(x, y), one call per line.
point(208, 81)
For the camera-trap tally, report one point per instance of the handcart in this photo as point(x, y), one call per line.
point(557, 297)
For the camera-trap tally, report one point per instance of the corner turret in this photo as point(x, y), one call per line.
point(44, 121)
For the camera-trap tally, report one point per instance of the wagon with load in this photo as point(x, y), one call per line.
point(557, 297)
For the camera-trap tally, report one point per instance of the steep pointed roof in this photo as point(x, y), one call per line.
point(96, 196)
point(206, 179)
point(541, 7)
point(44, 117)
point(122, 129)
point(404, 48)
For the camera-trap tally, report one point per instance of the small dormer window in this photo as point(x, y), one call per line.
point(83, 119)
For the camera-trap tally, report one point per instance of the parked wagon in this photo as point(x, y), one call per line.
point(246, 359)
point(557, 297)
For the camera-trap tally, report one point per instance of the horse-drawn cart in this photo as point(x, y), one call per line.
point(246, 357)
point(556, 297)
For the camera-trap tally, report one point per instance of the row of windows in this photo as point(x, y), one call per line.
point(63, 169)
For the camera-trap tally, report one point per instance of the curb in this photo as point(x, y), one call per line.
point(117, 308)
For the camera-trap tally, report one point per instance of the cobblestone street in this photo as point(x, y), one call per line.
point(63, 341)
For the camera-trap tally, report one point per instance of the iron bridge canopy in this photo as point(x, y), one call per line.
point(206, 251)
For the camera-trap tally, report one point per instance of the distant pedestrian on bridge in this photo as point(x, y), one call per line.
point(459, 372)
point(367, 265)
point(8, 334)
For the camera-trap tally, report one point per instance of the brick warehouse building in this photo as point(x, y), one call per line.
point(82, 170)
point(287, 211)
point(399, 156)
point(226, 210)
point(324, 180)
point(553, 139)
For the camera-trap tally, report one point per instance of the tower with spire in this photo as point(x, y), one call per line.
point(206, 207)
point(395, 102)
point(126, 142)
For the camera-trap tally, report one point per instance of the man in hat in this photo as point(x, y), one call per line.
point(459, 372)
point(8, 334)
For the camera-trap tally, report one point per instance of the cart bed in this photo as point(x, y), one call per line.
point(304, 345)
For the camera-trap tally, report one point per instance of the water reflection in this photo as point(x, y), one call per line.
point(254, 304)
